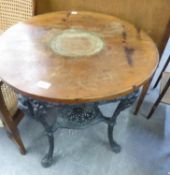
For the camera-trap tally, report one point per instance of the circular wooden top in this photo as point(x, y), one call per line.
point(76, 57)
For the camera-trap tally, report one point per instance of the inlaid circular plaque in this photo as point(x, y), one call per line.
point(77, 43)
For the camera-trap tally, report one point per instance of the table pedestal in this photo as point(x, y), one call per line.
point(73, 117)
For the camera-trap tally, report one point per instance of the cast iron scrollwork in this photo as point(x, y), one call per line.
point(74, 117)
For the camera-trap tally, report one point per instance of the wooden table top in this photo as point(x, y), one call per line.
point(76, 57)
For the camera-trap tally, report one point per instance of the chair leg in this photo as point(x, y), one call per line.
point(142, 96)
point(160, 75)
point(159, 99)
point(15, 136)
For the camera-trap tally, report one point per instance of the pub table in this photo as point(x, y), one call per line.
point(74, 61)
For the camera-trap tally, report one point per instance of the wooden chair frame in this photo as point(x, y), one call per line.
point(11, 123)
point(147, 85)
point(11, 12)
point(155, 105)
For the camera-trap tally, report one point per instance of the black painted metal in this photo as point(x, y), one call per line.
point(73, 117)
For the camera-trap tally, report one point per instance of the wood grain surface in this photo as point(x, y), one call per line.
point(150, 15)
point(30, 64)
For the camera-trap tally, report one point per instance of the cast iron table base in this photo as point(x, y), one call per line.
point(73, 117)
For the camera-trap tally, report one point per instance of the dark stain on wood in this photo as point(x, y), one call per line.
point(68, 14)
point(129, 53)
point(138, 32)
point(64, 20)
point(124, 36)
point(134, 87)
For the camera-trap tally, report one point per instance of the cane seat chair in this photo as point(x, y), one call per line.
point(11, 12)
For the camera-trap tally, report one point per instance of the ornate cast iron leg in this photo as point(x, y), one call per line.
point(74, 117)
point(115, 147)
point(38, 111)
point(48, 158)
point(124, 103)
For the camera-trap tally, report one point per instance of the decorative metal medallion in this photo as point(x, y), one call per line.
point(77, 43)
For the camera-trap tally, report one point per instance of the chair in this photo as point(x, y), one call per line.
point(164, 96)
point(12, 12)
point(151, 16)
point(164, 67)
point(10, 115)
point(146, 87)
